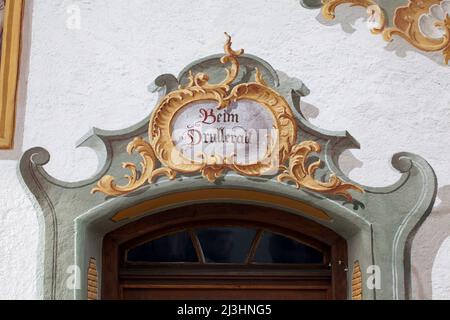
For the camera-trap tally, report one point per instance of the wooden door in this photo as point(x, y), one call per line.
point(223, 252)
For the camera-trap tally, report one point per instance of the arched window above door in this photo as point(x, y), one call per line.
point(225, 245)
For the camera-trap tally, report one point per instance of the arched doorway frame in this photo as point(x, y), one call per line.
point(92, 226)
point(231, 214)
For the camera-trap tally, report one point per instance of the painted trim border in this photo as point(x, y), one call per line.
point(219, 194)
point(9, 70)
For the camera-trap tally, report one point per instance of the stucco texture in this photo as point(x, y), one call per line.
point(390, 97)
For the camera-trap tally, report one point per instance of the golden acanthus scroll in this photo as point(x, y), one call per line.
point(161, 147)
point(406, 22)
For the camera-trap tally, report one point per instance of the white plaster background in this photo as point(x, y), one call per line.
point(389, 96)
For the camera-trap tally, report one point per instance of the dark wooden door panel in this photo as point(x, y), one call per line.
point(225, 293)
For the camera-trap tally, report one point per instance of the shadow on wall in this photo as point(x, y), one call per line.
point(346, 17)
point(347, 161)
point(426, 244)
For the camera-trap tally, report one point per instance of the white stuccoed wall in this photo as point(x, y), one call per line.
point(389, 96)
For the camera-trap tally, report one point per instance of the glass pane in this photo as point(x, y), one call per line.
point(173, 248)
point(226, 245)
point(274, 248)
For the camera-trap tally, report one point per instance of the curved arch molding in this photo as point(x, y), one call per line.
point(425, 24)
point(377, 223)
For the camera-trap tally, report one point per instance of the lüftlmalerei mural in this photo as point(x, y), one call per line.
point(264, 151)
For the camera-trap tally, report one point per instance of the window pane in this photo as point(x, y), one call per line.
point(173, 248)
point(274, 248)
point(226, 245)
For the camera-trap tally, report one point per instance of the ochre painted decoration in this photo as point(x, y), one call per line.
point(147, 175)
point(9, 70)
point(329, 7)
point(356, 282)
point(255, 96)
point(220, 194)
point(406, 23)
point(198, 89)
point(92, 285)
point(303, 176)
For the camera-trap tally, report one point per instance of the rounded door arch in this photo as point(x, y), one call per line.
point(224, 251)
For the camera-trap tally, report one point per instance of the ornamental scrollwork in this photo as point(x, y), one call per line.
point(303, 175)
point(407, 22)
point(136, 178)
point(161, 156)
point(373, 10)
point(199, 89)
